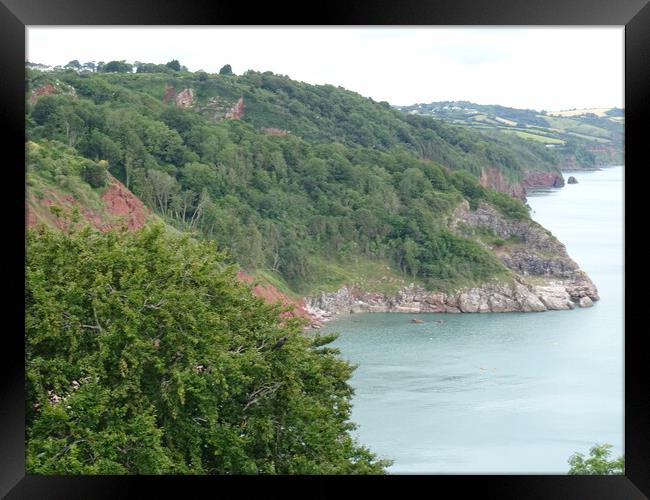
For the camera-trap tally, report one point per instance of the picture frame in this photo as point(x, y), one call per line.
point(15, 15)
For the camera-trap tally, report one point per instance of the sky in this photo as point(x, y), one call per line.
point(550, 69)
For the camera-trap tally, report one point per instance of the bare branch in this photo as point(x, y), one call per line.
point(260, 393)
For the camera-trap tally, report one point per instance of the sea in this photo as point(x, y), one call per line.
point(502, 393)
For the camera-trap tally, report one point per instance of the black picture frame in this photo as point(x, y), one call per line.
point(16, 14)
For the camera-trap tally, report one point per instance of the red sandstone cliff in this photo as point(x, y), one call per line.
point(120, 206)
point(493, 178)
point(543, 179)
point(183, 99)
point(271, 295)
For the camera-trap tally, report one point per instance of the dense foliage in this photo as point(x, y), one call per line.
point(145, 355)
point(583, 140)
point(344, 184)
point(597, 463)
point(458, 110)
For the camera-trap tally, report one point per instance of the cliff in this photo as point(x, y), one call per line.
point(493, 178)
point(271, 295)
point(542, 276)
point(543, 179)
point(116, 206)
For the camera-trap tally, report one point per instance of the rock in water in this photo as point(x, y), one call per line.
point(585, 302)
point(572, 180)
point(417, 320)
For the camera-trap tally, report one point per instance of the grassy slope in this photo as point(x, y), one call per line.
point(56, 189)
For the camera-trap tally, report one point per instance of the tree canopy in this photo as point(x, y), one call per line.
point(174, 65)
point(117, 67)
point(146, 355)
point(304, 205)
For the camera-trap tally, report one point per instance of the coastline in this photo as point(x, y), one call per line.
point(493, 297)
point(542, 277)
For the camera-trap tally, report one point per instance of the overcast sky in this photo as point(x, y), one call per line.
point(534, 68)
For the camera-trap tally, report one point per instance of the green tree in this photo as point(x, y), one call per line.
point(146, 355)
point(96, 173)
point(597, 463)
point(226, 70)
point(74, 64)
point(174, 65)
point(116, 67)
point(44, 109)
point(147, 68)
point(411, 256)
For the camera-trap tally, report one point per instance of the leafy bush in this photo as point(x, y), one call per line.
point(146, 355)
point(598, 463)
point(509, 206)
point(96, 173)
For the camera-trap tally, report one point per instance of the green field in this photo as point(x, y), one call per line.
point(578, 131)
point(536, 137)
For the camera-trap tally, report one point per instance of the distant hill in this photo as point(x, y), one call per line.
point(581, 138)
point(600, 112)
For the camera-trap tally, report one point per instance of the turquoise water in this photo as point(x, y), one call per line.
point(502, 393)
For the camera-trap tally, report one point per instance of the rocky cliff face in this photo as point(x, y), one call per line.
point(493, 178)
point(543, 179)
point(57, 87)
point(182, 99)
point(237, 111)
point(119, 206)
point(271, 295)
point(275, 131)
point(543, 277)
point(607, 155)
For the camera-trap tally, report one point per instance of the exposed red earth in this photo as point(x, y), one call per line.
point(271, 295)
point(120, 202)
point(543, 179)
point(120, 207)
point(123, 207)
point(44, 90)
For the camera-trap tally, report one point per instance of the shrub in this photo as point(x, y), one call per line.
point(95, 173)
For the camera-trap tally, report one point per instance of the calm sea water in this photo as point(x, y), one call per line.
point(502, 393)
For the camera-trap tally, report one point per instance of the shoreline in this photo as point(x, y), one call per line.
point(493, 297)
point(541, 277)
